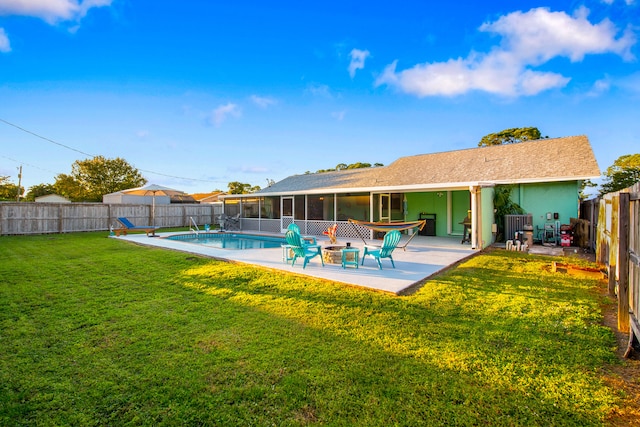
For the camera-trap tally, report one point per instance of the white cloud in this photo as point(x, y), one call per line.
point(627, 2)
point(319, 90)
point(263, 102)
point(338, 115)
point(51, 11)
point(220, 114)
point(539, 35)
point(248, 169)
point(599, 87)
point(528, 39)
point(533, 82)
point(357, 60)
point(5, 45)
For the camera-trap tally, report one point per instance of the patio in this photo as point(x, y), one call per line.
point(423, 257)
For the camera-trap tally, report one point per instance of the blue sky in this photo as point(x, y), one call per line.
point(197, 94)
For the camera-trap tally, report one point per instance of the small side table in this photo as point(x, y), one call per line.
point(286, 254)
point(350, 256)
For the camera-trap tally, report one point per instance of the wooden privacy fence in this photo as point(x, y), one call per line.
point(42, 218)
point(618, 247)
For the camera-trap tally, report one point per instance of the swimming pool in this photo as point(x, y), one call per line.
point(234, 241)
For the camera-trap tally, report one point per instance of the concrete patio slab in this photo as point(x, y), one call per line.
point(423, 257)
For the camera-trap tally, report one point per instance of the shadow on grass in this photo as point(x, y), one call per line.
point(521, 339)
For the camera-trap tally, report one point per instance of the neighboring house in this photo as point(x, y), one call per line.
point(123, 197)
point(445, 188)
point(52, 198)
point(132, 199)
point(213, 197)
point(182, 198)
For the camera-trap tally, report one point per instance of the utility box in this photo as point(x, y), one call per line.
point(429, 228)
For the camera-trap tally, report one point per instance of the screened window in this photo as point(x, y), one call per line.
point(250, 207)
point(320, 207)
point(354, 205)
point(299, 207)
point(271, 207)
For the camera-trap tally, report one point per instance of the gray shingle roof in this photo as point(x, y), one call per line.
point(557, 159)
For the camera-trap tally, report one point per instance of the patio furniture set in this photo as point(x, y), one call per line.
point(307, 248)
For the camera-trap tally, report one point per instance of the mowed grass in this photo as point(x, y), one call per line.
point(96, 331)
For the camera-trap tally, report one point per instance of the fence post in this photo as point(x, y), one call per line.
point(593, 217)
point(60, 220)
point(602, 249)
point(623, 263)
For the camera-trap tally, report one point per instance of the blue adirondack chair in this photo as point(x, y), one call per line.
point(300, 250)
point(296, 228)
point(389, 243)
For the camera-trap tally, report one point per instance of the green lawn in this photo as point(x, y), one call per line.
point(97, 331)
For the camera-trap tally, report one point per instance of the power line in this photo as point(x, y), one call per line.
point(46, 139)
point(27, 164)
point(93, 155)
point(177, 177)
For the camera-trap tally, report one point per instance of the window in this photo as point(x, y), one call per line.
point(353, 205)
point(299, 207)
point(250, 207)
point(271, 207)
point(320, 207)
point(231, 207)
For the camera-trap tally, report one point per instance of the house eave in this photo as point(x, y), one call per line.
point(413, 188)
point(378, 189)
point(544, 180)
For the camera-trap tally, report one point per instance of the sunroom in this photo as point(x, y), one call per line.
point(445, 211)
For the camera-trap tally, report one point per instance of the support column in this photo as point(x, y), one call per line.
point(474, 216)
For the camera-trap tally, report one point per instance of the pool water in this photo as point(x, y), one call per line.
point(235, 241)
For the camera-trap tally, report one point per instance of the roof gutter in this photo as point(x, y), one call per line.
point(413, 188)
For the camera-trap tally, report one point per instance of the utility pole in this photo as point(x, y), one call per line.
point(19, 183)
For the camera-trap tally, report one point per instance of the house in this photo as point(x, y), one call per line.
point(444, 188)
point(165, 198)
point(52, 198)
point(213, 197)
point(120, 197)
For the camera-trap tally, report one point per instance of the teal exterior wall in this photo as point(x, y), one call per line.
point(428, 203)
point(551, 197)
point(460, 205)
point(431, 203)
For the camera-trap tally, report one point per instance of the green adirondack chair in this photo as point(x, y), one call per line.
point(306, 252)
point(296, 228)
point(389, 243)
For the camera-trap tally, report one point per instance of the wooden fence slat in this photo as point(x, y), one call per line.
point(44, 218)
point(623, 264)
point(618, 248)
